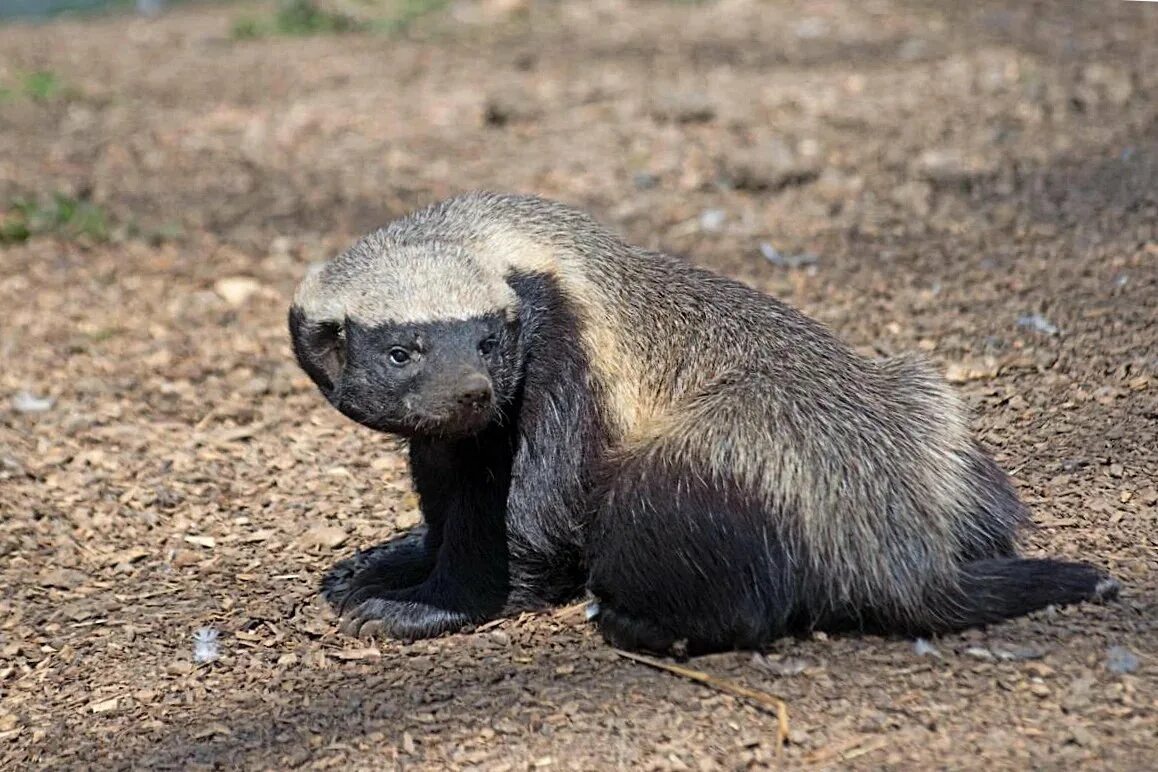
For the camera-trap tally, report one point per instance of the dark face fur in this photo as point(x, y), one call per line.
point(445, 378)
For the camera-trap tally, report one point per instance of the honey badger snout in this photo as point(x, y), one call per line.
point(474, 391)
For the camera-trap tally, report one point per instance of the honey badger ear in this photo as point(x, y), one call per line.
point(319, 347)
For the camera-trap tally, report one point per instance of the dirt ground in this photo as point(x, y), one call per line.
point(976, 181)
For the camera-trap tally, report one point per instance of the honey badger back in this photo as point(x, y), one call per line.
point(715, 467)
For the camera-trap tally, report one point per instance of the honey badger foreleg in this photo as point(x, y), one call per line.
point(463, 486)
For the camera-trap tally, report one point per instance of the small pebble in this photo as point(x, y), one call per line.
point(774, 256)
point(1038, 323)
point(789, 666)
point(1121, 660)
point(236, 290)
point(978, 652)
point(23, 402)
point(1017, 653)
point(713, 219)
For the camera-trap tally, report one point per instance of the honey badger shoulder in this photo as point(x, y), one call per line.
point(715, 467)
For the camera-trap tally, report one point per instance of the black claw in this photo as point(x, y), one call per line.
point(357, 596)
point(372, 628)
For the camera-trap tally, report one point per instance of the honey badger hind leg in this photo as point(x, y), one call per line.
point(680, 567)
point(995, 589)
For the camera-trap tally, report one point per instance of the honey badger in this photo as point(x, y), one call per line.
point(714, 467)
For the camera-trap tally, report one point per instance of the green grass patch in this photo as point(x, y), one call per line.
point(59, 215)
point(300, 18)
point(38, 86)
point(296, 18)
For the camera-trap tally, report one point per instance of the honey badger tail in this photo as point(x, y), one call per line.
point(993, 590)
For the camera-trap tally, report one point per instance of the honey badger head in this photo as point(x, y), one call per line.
point(414, 339)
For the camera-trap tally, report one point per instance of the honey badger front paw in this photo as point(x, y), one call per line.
point(403, 562)
point(441, 604)
point(394, 617)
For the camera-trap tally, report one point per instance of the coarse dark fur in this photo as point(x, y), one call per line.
point(716, 468)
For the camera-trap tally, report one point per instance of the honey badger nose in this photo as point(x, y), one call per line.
point(475, 391)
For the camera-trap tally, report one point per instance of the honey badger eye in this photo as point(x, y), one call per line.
point(399, 356)
point(487, 345)
point(331, 333)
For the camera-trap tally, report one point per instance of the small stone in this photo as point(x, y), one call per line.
point(972, 370)
point(181, 667)
point(1017, 653)
point(105, 706)
point(325, 536)
point(408, 519)
point(1121, 660)
point(713, 219)
point(367, 652)
point(24, 402)
point(184, 558)
point(977, 652)
point(63, 578)
point(949, 167)
point(236, 290)
point(1038, 323)
point(774, 256)
point(789, 666)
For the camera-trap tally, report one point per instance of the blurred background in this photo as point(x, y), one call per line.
point(974, 181)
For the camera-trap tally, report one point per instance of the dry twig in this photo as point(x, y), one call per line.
point(854, 748)
point(763, 699)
